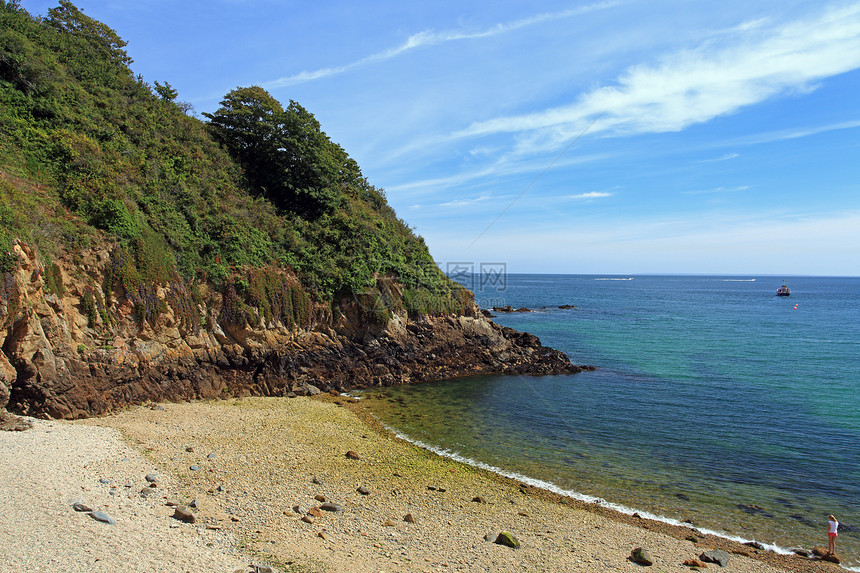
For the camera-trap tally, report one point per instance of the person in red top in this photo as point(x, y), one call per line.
point(832, 533)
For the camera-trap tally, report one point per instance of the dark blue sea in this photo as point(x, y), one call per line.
point(714, 401)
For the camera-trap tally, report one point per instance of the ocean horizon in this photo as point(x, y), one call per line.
point(715, 403)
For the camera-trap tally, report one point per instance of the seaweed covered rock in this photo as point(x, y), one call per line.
point(507, 539)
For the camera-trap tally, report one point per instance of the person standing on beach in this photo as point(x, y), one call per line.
point(832, 529)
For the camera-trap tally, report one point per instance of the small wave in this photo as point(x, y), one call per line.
point(580, 496)
point(614, 279)
point(738, 280)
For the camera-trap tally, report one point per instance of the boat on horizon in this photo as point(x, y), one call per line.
point(783, 290)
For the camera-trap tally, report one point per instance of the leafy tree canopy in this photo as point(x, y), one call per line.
point(99, 50)
point(286, 156)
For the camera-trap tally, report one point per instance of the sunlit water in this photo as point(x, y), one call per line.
point(714, 401)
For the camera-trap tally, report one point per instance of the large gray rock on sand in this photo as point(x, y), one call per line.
point(641, 556)
point(717, 556)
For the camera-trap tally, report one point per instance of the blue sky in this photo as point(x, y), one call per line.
point(623, 137)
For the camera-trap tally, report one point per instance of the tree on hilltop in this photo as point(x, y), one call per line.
point(284, 153)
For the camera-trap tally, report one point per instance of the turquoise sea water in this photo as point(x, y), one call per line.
point(714, 401)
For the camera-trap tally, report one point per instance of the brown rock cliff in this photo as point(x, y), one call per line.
point(63, 359)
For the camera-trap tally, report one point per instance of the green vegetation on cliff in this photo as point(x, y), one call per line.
point(257, 202)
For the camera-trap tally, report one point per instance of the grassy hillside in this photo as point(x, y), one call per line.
point(255, 201)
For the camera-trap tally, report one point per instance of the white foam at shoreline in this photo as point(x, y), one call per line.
point(582, 497)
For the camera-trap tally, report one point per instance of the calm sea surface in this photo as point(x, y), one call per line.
point(715, 401)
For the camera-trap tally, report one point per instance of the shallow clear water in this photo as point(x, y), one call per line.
point(714, 401)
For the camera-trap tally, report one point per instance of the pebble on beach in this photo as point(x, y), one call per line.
point(102, 516)
point(183, 513)
point(508, 540)
point(641, 556)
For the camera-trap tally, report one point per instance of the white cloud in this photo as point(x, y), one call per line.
point(465, 202)
point(744, 66)
point(504, 167)
point(590, 195)
point(430, 38)
point(718, 190)
point(785, 135)
point(725, 157)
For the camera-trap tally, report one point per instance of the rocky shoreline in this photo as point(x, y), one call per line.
point(314, 484)
point(68, 349)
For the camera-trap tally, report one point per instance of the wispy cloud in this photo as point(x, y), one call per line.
point(590, 195)
point(465, 202)
point(718, 190)
point(430, 38)
point(785, 135)
point(504, 167)
point(746, 65)
point(725, 157)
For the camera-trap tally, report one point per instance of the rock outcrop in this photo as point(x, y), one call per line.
point(72, 350)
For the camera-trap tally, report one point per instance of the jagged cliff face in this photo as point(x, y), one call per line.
point(60, 359)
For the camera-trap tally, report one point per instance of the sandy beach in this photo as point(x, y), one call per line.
point(261, 471)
